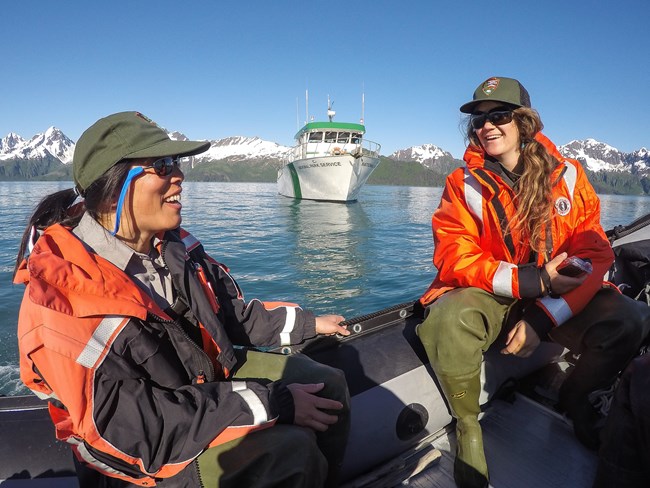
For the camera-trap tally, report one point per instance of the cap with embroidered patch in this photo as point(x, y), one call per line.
point(498, 89)
point(124, 135)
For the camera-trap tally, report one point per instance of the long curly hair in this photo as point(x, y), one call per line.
point(533, 191)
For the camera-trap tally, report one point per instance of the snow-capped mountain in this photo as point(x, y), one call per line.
point(639, 159)
point(10, 142)
point(240, 148)
point(55, 143)
point(594, 155)
point(598, 156)
point(427, 155)
point(52, 142)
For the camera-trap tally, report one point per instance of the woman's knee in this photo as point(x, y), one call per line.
point(282, 455)
point(624, 328)
point(459, 327)
point(303, 369)
point(464, 311)
point(336, 387)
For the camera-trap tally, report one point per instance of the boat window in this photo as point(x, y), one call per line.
point(356, 138)
point(315, 137)
point(330, 136)
point(343, 137)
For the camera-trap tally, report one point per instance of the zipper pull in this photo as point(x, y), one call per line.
point(200, 378)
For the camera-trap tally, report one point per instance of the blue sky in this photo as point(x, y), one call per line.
point(214, 69)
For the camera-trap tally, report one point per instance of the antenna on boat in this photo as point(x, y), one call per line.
point(363, 103)
point(306, 106)
point(330, 113)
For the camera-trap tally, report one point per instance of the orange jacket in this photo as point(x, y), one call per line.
point(473, 247)
point(132, 389)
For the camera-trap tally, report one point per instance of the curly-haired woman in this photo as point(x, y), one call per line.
point(505, 223)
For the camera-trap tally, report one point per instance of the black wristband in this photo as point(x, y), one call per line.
point(546, 279)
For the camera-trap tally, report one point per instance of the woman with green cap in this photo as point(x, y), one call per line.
point(504, 228)
point(129, 330)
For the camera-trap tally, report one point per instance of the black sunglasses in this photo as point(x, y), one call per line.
point(496, 117)
point(164, 166)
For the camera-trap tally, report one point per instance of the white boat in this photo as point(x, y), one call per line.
point(331, 161)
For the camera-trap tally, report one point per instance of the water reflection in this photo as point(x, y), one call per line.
point(421, 203)
point(329, 241)
point(622, 209)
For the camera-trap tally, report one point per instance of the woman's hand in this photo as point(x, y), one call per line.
point(330, 325)
point(309, 407)
point(522, 340)
point(561, 284)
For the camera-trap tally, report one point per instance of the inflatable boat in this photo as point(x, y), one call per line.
point(402, 431)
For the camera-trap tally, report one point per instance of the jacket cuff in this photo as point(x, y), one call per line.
point(281, 402)
point(309, 327)
point(541, 323)
point(530, 285)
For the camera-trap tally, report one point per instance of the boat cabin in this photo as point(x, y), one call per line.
point(317, 139)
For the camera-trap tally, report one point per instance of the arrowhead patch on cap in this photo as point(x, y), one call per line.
point(490, 85)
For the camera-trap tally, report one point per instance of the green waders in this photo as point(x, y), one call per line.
point(460, 326)
point(283, 455)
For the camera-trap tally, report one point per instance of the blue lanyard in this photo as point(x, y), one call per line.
point(133, 172)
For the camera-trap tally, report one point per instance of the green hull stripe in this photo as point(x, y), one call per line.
point(296, 181)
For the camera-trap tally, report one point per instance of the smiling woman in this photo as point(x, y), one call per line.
point(504, 224)
point(130, 335)
point(154, 200)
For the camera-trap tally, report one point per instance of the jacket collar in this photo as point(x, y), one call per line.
point(62, 274)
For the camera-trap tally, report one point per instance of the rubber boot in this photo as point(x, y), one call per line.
point(462, 392)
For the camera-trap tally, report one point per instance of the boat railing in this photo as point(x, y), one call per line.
point(322, 149)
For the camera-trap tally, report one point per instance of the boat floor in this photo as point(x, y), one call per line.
point(526, 444)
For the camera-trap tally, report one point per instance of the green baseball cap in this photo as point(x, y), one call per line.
point(124, 135)
point(498, 89)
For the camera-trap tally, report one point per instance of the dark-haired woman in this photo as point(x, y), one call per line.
point(504, 224)
point(128, 328)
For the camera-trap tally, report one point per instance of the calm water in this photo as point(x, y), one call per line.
point(350, 259)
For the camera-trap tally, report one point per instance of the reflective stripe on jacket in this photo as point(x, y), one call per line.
point(476, 246)
point(137, 391)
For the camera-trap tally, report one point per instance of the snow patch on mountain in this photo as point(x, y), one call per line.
point(594, 155)
point(422, 153)
point(10, 142)
point(598, 156)
point(52, 142)
point(428, 155)
point(239, 148)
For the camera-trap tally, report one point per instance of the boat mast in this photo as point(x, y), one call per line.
point(330, 113)
point(306, 106)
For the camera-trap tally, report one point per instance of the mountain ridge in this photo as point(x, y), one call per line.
point(52, 145)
